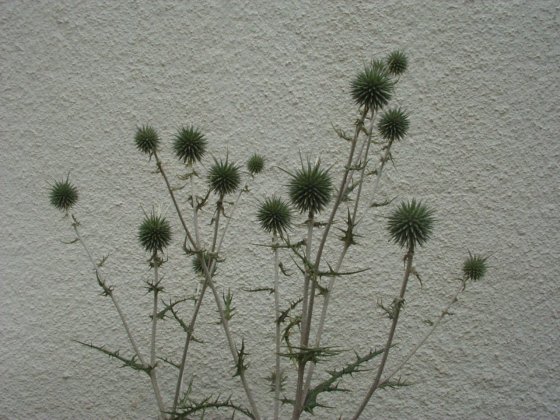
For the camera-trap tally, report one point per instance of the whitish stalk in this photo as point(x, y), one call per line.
point(277, 378)
point(397, 309)
point(195, 208)
point(124, 322)
point(444, 312)
point(361, 157)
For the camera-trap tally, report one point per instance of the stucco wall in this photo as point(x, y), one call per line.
point(77, 78)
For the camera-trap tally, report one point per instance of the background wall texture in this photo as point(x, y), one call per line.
point(78, 77)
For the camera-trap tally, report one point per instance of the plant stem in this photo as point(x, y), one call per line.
point(107, 289)
point(278, 329)
point(444, 312)
point(397, 309)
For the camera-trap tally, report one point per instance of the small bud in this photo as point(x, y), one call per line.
point(393, 124)
point(274, 216)
point(154, 233)
point(63, 195)
point(255, 164)
point(411, 224)
point(474, 267)
point(310, 188)
point(373, 87)
point(397, 62)
point(197, 264)
point(189, 145)
point(147, 140)
point(224, 177)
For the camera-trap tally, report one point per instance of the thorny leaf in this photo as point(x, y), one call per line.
point(130, 362)
point(270, 290)
point(240, 365)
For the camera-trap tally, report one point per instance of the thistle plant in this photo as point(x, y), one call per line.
point(310, 211)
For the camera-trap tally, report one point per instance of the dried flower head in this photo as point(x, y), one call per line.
point(63, 195)
point(310, 188)
point(255, 164)
point(274, 216)
point(373, 86)
point(224, 177)
point(474, 267)
point(147, 140)
point(411, 224)
point(393, 124)
point(154, 233)
point(397, 62)
point(189, 145)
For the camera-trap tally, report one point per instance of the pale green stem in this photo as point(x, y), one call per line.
point(444, 312)
point(398, 305)
point(122, 317)
point(278, 329)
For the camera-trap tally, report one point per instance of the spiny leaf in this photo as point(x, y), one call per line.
point(130, 362)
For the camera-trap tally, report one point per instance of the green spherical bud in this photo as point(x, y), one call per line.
point(411, 224)
point(224, 177)
point(197, 264)
point(397, 62)
point(189, 145)
point(63, 195)
point(310, 188)
point(255, 164)
point(393, 124)
point(373, 87)
point(274, 216)
point(147, 140)
point(154, 233)
point(474, 267)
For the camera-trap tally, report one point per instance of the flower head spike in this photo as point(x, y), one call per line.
point(154, 233)
point(224, 177)
point(146, 139)
point(189, 145)
point(393, 124)
point(411, 224)
point(474, 267)
point(63, 195)
point(255, 164)
point(373, 87)
point(310, 188)
point(397, 62)
point(274, 216)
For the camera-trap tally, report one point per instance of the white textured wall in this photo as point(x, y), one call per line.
point(482, 90)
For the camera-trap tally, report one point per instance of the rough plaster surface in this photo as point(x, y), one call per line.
point(78, 77)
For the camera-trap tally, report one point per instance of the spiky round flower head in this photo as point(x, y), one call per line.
point(373, 87)
point(197, 264)
point(397, 62)
point(224, 177)
point(147, 140)
point(255, 164)
point(189, 145)
point(154, 233)
point(310, 188)
point(393, 124)
point(63, 195)
point(274, 216)
point(474, 267)
point(411, 224)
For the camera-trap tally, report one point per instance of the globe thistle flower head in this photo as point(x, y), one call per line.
point(63, 195)
point(393, 124)
point(154, 233)
point(189, 145)
point(255, 164)
point(310, 188)
point(411, 224)
point(274, 216)
point(146, 139)
point(373, 87)
point(397, 62)
point(474, 267)
point(224, 177)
